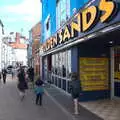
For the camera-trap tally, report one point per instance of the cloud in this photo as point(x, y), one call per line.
point(21, 19)
point(26, 7)
point(20, 15)
point(28, 10)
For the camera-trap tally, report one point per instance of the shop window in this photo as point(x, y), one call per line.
point(61, 63)
point(62, 12)
point(68, 63)
point(64, 71)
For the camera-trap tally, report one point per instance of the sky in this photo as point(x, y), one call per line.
point(20, 15)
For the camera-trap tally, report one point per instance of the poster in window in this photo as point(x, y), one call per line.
point(94, 74)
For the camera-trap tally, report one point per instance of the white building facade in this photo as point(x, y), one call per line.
point(21, 56)
point(1, 36)
point(7, 54)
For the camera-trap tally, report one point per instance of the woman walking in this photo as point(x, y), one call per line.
point(4, 73)
point(22, 84)
point(0, 76)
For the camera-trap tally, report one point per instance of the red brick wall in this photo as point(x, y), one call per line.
point(36, 33)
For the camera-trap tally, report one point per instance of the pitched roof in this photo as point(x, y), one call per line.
point(18, 46)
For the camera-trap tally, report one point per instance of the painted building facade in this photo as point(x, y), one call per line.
point(1, 36)
point(56, 13)
point(19, 44)
point(29, 49)
point(36, 34)
point(87, 42)
point(7, 54)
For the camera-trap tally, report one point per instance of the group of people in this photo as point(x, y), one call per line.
point(39, 91)
point(24, 76)
point(22, 84)
point(28, 75)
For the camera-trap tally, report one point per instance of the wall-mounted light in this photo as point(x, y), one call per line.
point(111, 42)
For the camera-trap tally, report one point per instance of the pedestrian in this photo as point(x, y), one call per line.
point(39, 91)
point(75, 91)
point(13, 74)
point(0, 76)
point(22, 84)
point(31, 75)
point(4, 73)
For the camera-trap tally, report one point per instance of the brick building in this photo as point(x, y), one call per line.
point(35, 34)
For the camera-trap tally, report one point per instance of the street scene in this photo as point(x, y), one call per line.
point(60, 59)
point(12, 108)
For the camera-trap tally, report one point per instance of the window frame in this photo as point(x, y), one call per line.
point(62, 14)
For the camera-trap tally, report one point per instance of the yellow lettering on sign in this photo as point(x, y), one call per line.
point(55, 42)
point(93, 13)
point(60, 36)
point(66, 34)
point(108, 7)
point(44, 47)
point(47, 46)
point(51, 42)
point(75, 26)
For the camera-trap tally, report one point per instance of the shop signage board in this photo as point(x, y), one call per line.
point(94, 73)
point(97, 15)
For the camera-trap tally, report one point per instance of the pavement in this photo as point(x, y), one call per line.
point(56, 105)
point(105, 108)
point(64, 102)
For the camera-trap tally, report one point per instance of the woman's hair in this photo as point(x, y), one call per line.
point(39, 82)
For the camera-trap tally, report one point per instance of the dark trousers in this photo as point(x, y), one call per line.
point(39, 99)
point(4, 79)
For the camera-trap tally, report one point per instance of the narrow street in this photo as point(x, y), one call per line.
point(11, 108)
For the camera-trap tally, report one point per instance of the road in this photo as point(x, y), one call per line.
point(11, 108)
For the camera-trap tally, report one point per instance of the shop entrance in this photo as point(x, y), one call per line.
point(115, 72)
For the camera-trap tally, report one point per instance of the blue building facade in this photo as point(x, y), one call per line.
point(81, 36)
point(49, 11)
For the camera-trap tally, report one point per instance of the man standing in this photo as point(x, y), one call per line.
point(31, 75)
point(4, 73)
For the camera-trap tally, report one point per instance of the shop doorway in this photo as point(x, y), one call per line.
point(115, 72)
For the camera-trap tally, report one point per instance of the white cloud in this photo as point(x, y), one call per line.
point(23, 15)
point(26, 7)
point(28, 10)
point(21, 19)
point(29, 19)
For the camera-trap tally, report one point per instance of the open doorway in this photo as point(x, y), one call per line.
point(115, 72)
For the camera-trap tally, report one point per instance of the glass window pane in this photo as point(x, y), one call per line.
point(64, 65)
point(68, 8)
point(62, 12)
point(69, 62)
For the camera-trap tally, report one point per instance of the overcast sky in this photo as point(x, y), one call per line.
point(20, 15)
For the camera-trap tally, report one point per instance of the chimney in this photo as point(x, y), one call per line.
point(17, 37)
